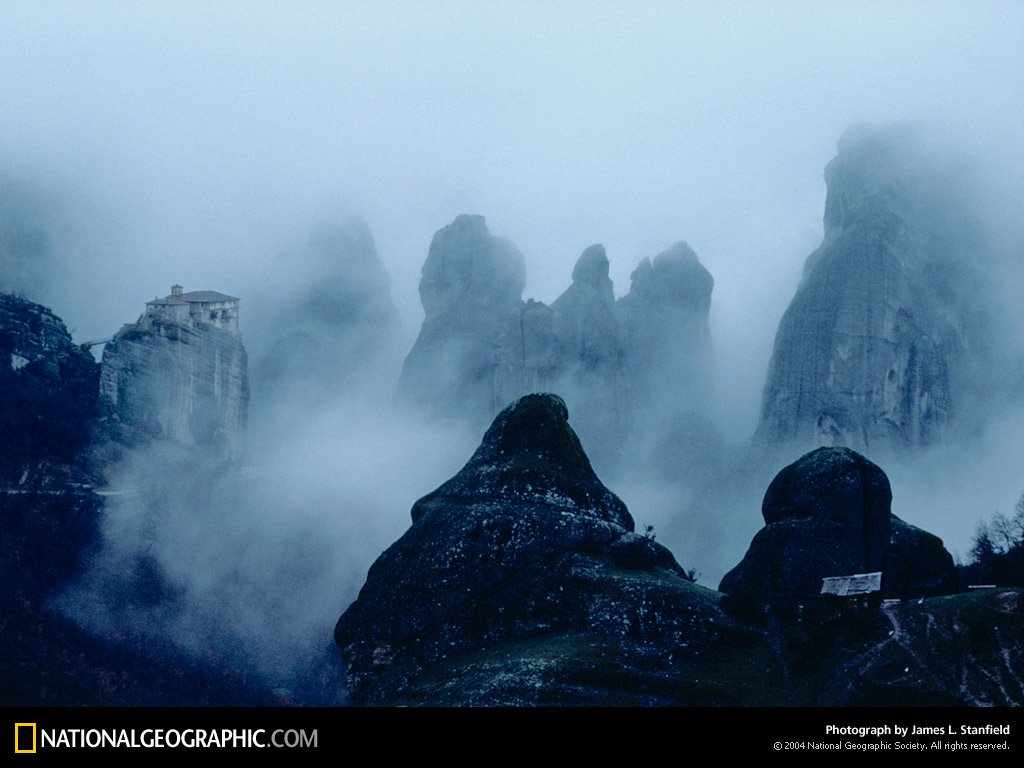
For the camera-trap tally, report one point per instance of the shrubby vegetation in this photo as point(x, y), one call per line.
point(997, 550)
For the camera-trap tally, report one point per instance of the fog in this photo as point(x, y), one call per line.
point(197, 143)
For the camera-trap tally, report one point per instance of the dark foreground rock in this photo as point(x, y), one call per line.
point(828, 514)
point(521, 581)
point(48, 398)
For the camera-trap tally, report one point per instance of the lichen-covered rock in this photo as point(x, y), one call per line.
point(828, 514)
point(917, 563)
point(471, 281)
point(525, 546)
point(166, 378)
point(876, 348)
point(48, 397)
point(841, 486)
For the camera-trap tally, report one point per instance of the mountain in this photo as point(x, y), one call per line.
point(880, 346)
point(636, 371)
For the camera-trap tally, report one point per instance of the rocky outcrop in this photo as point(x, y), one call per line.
point(585, 321)
point(917, 563)
point(339, 322)
point(48, 388)
point(527, 355)
point(877, 347)
point(828, 514)
point(526, 553)
point(665, 328)
point(639, 365)
point(470, 283)
point(521, 582)
point(171, 376)
point(595, 379)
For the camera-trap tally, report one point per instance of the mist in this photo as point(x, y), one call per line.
point(208, 144)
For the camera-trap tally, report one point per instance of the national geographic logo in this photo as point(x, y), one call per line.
point(28, 737)
point(25, 738)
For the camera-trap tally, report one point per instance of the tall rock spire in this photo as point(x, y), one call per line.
point(874, 349)
point(470, 283)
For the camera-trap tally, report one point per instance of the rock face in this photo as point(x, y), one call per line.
point(470, 284)
point(665, 324)
point(526, 548)
point(875, 349)
point(615, 363)
point(48, 388)
point(595, 378)
point(342, 321)
point(175, 375)
point(585, 321)
point(828, 514)
point(527, 356)
point(917, 563)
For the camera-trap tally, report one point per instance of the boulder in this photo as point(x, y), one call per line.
point(917, 563)
point(828, 514)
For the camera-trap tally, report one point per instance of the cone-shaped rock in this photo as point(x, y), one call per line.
point(525, 549)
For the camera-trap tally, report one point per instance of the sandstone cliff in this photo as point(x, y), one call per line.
point(634, 371)
point(665, 328)
point(470, 283)
point(878, 345)
point(176, 377)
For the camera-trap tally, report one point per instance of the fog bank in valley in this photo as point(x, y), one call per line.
point(211, 145)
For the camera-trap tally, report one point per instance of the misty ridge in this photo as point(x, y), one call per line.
point(706, 321)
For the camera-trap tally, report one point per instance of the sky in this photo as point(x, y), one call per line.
point(194, 142)
point(198, 143)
